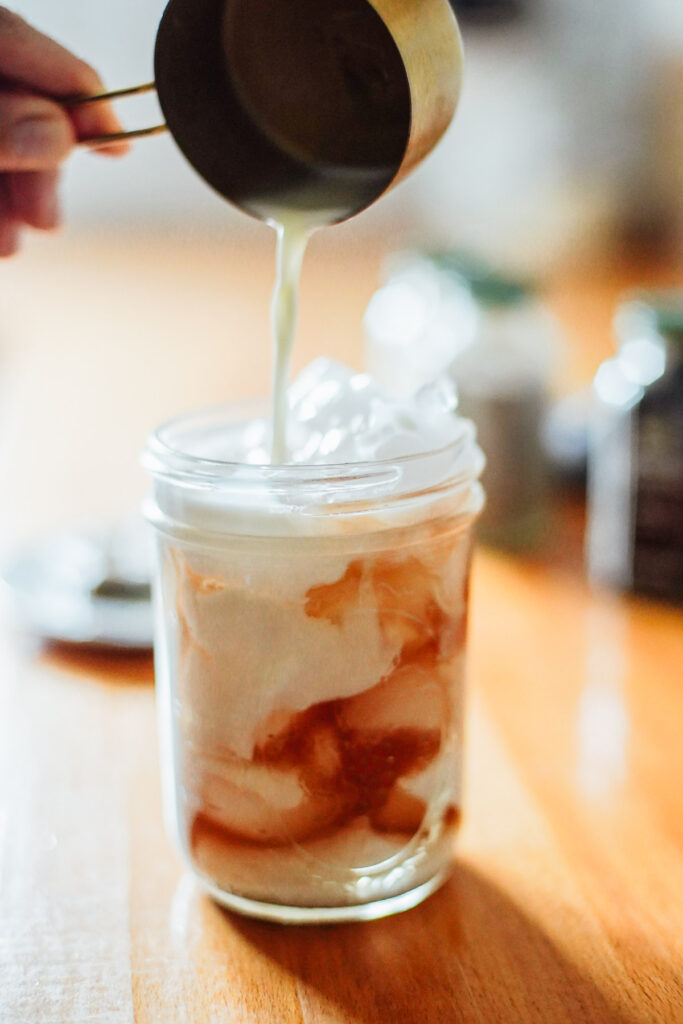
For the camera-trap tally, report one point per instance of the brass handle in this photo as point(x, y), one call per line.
point(138, 133)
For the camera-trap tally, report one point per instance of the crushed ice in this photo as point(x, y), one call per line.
point(338, 416)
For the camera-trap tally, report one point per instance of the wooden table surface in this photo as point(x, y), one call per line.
point(566, 904)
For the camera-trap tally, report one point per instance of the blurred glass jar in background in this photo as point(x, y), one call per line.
point(500, 346)
point(635, 524)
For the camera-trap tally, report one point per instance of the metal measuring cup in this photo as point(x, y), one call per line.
point(317, 105)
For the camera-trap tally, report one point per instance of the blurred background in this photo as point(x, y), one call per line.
point(564, 167)
point(570, 129)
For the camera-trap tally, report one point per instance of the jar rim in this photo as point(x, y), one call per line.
point(163, 458)
point(234, 496)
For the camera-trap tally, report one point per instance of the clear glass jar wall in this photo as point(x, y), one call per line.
point(310, 677)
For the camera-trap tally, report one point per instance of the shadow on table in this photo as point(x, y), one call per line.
point(104, 665)
point(469, 954)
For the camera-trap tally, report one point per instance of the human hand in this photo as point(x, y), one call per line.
point(37, 133)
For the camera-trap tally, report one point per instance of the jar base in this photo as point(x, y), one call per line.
point(282, 914)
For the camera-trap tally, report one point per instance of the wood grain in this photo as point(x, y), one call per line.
point(566, 906)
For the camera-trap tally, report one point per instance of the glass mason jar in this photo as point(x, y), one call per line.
point(310, 638)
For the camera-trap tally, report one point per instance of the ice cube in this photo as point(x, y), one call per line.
point(438, 397)
point(337, 416)
point(317, 372)
point(259, 803)
point(411, 698)
point(401, 812)
point(317, 386)
point(331, 410)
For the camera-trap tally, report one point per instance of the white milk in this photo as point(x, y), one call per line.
point(294, 227)
point(293, 232)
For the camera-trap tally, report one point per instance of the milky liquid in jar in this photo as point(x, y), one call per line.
point(311, 638)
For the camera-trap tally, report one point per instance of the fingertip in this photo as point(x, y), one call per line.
point(88, 79)
point(10, 236)
point(33, 199)
point(112, 149)
point(47, 212)
point(35, 133)
point(41, 141)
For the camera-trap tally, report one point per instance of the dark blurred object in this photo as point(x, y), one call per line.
point(635, 527)
point(488, 12)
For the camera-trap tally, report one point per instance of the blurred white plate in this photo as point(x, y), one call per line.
point(85, 586)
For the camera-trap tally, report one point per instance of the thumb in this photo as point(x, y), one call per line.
point(35, 133)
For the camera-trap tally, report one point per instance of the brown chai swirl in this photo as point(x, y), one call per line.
point(351, 764)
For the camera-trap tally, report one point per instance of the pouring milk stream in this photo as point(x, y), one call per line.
point(302, 114)
point(293, 233)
